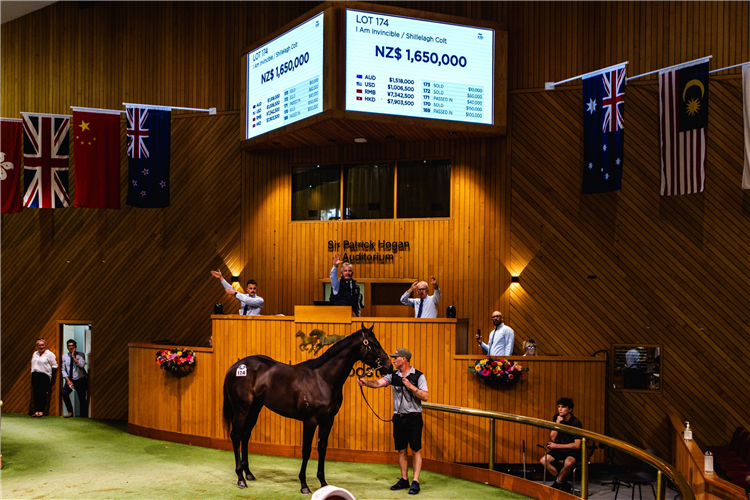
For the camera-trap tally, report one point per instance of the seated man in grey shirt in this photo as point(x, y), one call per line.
point(425, 306)
point(251, 302)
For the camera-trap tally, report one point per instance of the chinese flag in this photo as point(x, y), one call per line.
point(10, 165)
point(96, 147)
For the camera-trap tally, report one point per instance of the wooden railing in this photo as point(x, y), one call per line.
point(662, 467)
point(688, 459)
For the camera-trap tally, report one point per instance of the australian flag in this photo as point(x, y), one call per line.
point(604, 130)
point(149, 133)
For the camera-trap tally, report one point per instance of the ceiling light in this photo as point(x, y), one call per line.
point(360, 139)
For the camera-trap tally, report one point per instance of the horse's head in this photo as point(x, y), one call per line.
point(299, 333)
point(372, 353)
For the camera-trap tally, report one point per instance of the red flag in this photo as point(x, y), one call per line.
point(96, 139)
point(10, 165)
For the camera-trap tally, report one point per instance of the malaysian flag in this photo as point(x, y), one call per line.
point(10, 165)
point(149, 134)
point(45, 155)
point(683, 113)
point(604, 130)
point(746, 106)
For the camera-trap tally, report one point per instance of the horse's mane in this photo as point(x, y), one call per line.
point(333, 351)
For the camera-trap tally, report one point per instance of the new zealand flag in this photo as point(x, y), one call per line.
point(604, 131)
point(149, 133)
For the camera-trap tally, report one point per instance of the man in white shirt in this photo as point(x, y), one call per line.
point(501, 338)
point(425, 306)
point(251, 302)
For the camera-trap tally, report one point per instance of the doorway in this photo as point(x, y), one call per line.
point(80, 331)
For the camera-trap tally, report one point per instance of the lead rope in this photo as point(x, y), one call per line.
point(368, 372)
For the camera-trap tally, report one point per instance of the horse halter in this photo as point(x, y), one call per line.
point(369, 370)
point(368, 373)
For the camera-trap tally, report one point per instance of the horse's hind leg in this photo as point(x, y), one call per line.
point(238, 437)
point(307, 437)
point(324, 430)
point(252, 419)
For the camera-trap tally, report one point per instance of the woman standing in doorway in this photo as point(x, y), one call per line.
point(42, 364)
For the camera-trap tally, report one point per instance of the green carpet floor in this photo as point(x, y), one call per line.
point(52, 457)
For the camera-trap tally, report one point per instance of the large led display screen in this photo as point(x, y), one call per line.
point(285, 78)
point(417, 68)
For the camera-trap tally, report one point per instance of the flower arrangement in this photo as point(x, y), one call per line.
point(176, 360)
point(498, 372)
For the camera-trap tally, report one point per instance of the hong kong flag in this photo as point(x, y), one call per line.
point(10, 165)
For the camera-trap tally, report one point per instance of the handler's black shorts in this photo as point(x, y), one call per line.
point(407, 430)
point(561, 455)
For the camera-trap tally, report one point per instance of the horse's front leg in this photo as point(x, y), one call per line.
point(307, 436)
point(323, 432)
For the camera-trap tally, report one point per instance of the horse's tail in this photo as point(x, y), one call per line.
point(228, 411)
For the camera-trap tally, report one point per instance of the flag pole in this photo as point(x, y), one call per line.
point(729, 67)
point(551, 85)
point(46, 114)
point(676, 66)
point(100, 110)
point(210, 111)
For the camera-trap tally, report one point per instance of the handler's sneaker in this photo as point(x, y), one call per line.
point(414, 488)
point(401, 484)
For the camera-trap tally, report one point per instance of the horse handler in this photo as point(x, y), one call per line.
point(409, 390)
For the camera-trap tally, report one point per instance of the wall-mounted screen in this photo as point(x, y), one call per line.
point(424, 69)
point(285, 78)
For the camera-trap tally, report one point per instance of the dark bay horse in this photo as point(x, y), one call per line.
point(310, 392)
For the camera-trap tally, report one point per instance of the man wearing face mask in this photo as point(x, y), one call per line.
point(75, 379)
point(425, 306)
point(345, 291)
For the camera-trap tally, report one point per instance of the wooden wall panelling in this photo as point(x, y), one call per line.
point(456, 251)
point(131, 271)
point(460, 439)
point(665, 267)
point(661, 265)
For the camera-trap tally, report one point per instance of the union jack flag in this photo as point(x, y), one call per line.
point(46, 153)
point(137, 132)
point(613, 100)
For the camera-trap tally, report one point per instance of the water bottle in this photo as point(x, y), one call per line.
point(688, 432)
point(708, 463)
